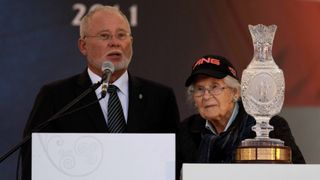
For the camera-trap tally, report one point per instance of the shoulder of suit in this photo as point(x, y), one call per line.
point(148, 83)
point(62, 84)
point(64, 81)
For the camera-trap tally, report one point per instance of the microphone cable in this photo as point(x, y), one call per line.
point(18, 165)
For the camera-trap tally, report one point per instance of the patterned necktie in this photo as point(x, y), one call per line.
point(116, 121)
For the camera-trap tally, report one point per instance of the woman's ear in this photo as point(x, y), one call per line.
point(236, 95)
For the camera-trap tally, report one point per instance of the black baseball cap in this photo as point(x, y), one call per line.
point(212, 65)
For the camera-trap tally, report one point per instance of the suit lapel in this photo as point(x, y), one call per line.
point(94, 112)
point(136, 105)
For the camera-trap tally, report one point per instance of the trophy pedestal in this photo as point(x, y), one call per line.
point(263, 151)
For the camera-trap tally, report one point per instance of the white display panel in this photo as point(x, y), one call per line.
point(251, 171)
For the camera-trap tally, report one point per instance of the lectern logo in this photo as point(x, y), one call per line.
point(73, 157)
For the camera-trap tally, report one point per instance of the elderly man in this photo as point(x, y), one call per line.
point(142, 106)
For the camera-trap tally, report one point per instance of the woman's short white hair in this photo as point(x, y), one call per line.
point(230, 81)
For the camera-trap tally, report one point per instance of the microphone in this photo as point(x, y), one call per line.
point(107, 69)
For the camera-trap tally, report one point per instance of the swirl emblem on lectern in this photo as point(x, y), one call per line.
point(76, 157)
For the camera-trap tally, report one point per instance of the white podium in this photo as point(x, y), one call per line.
point(78, 156)
point(251, 172)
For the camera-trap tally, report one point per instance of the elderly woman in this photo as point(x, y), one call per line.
point(213, 135)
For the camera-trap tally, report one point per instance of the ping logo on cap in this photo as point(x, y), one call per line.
point(206, 60)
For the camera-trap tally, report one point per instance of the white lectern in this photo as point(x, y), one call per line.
point(78, 156)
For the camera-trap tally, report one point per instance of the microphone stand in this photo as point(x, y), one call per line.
point(52, 118)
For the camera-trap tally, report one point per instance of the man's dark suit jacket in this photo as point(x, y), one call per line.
point(152, 109)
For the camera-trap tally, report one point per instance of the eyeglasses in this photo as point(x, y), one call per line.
point(105, 36)
point(212, 90)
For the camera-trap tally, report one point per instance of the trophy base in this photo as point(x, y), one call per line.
point(263, 151)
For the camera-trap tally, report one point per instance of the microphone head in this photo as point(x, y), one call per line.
point(107, 66)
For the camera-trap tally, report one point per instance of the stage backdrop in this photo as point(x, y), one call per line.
point(39, 45)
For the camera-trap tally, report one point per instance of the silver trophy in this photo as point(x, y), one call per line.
point(262, 93)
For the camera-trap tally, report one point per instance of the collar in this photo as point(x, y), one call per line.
point(122, 82)
point(231, 119)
